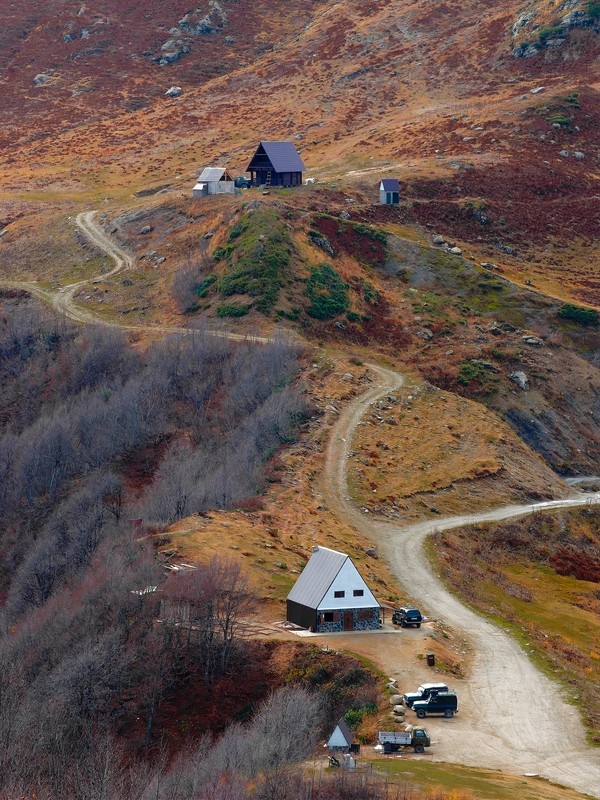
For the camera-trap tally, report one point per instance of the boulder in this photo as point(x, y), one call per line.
point(520, 379)
point(174, 91)
point(437, 239)
point(146, 229)
point(396, 700)
point(534, 341)
point(456, 251)
point(41, 79)
point(578, 155)
point(400, 710)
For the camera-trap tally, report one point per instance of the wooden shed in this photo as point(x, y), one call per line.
point(214, 180)
point(389, 192)
point(330, 596)
point(276, 164)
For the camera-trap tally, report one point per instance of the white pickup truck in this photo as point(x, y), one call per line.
point(392, 741)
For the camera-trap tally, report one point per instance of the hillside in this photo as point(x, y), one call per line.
point(227, 381)
point(435, 94)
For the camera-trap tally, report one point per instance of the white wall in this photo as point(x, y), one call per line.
point(348, 578)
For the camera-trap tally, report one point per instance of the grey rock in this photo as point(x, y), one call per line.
point(537, 90)
point(127, 282)
point(370, 551)
point(146, 229)
point(487, 365)
point(437, 239)
point(208, 235)
point(174, 91)
point(41, 79)
point(345, 215)
point(161, 260)
point(396, 700)
point(564, 154)
point(520, 379)
point(456, 251)
point(425, 334)
point(578, 155)
point(534, 341)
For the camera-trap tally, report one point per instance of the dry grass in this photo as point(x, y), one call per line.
point(425, 447)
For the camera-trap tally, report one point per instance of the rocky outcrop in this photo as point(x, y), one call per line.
point(194, 23)
point(544, 24)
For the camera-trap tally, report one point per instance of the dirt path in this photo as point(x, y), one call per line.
point(514, 719)
point(62, 300)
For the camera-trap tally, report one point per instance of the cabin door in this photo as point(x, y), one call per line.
point(348, 621)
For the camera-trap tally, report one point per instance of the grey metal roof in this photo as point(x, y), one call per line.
point(317, 576)
point(283, 157)
point(345, 731)
point(211, 174)
point(390, 185)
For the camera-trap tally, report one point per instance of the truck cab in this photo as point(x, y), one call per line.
point(445, 703)
point(423, 692)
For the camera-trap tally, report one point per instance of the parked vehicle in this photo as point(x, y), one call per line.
point(392, 741)
point(445, 703)
point(407, 615)
point(423, 692)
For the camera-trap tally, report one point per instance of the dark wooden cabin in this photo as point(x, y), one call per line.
point(276, 164)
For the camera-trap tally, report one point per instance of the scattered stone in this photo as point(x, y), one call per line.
point(41, 79)
point(345, 215)
point(370, 551)
point(534, 341)
point(578, 155)
point(487, 365)
point(538, 90)
point(396, 700)
point(174, 91)
point(564, 154)
point(146, 229)
point(437, 239)
point(208, 235)
point(340, 325)
point(505, 248)
point(521, 380)
point(127, 282)
point(456, 251)
point(399, 710)
point(161, 260)
point(425, 334)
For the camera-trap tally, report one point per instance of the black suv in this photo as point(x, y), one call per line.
point(445, 703)
point(408, 615)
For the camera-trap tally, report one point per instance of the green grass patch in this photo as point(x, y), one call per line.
point(232, 310)
point(466, 782)
point(258, 254)
point(328, 293)
point(578, 314)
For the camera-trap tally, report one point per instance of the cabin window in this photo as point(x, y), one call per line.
point(365, 614)
point(339, 594)
point(328, 616)
point(358, 592)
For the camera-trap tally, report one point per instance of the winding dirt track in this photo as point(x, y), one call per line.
point(63, 299)
point(521, 723)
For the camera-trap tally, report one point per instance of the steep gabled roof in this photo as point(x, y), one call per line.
point(212, 174)
point(317, 576)
point(344, 730)
point(390, 185)
point(283, 157)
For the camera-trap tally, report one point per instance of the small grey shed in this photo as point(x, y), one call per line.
point(214, 180)
point(341, 738)
point(389, 192)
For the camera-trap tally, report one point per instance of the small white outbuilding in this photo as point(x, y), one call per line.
point(341, 738)
point(214, 180)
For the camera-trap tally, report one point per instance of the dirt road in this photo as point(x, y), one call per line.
point(515, 719)
point(63, 299)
